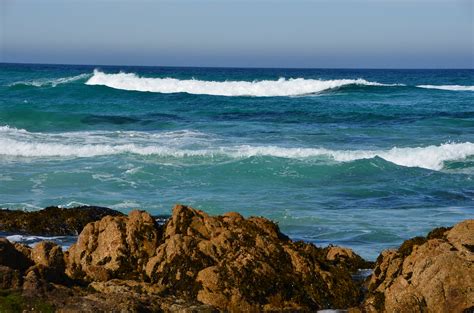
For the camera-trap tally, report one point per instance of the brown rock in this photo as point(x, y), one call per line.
point(9, 278)
point(52, 221)
point(434, 274)
point(346, 258)
point(145, 296)
point(48, 254)
point(34, 285)
point(49, 261)
point(11, 257)
point(241, 264)
point(114, 247)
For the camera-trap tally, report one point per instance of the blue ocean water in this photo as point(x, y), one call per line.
point(359, 158)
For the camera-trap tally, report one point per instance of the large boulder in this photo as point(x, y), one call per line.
point(238, 264)
point(433, 274)
point(114, 247)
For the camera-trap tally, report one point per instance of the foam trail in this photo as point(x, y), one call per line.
point(50, 82)
point(448, 87)
point(264, 88)
point(187, 144)
point(64, 241)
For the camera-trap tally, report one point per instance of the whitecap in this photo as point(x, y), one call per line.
point(186, 144)
point(263, 88)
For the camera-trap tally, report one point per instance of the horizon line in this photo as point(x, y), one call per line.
point(246, 67)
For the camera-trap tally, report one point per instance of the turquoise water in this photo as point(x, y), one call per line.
point(360, 158)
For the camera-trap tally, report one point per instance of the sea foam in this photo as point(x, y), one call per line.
point(44, 82)
point(178, 145)
point(448, 87)
point(263, 88)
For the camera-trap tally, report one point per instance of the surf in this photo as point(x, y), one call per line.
point(189, 144)
point(261, 88)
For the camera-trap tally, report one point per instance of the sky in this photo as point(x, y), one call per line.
point(240, 33)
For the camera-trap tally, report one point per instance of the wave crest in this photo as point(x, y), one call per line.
point(263, 88)
point(185, 144)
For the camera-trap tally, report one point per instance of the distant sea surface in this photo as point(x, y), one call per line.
point(359, 158)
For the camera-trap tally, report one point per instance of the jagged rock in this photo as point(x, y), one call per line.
point(114, 247)
point(433, 274)
point(34, 284)
point(52, 221)
point(9, 278)
point(49, 261)
point(48, 254)
point(202, 263)
point(234, 263)
point(11, 257)
point(346, 258)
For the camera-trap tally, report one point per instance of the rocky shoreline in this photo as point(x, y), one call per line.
point(200, 263)
point(52, 221)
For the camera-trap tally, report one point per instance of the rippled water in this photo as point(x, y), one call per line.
point(361, 158)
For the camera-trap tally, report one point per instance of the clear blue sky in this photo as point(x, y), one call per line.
point(258, 33)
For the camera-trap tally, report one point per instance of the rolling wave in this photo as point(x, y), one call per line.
point(263, 88)
point(16, 142)
point(448, 87)
point(50, 82)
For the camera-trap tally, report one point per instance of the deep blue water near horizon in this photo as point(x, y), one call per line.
point(359, 158)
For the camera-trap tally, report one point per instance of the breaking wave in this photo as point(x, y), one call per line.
point(263, 88)
point(183, 144)
point(50, 82)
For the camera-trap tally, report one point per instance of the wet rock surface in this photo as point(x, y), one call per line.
point(52, 221)
point(201, 263)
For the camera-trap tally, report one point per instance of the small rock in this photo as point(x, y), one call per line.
point(347, 258)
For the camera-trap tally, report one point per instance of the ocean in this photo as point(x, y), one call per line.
point(358, 158)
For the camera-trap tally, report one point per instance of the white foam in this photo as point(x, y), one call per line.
point(29, 238)
point(430, 157)
point(263, 88)
point(448, 87)
point(64, 241)
point(51, 82)
point(184, 144)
